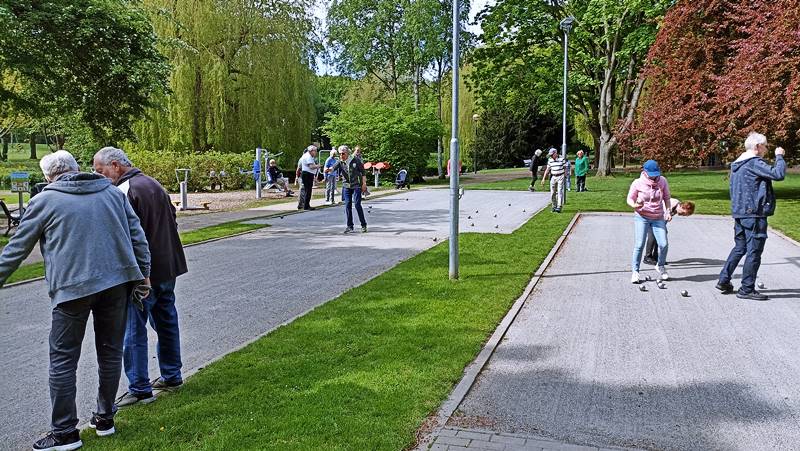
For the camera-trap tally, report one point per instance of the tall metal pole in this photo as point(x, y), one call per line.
point(454, 153)
point(566, 27)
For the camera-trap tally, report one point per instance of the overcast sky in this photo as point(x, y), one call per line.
point(320, 9)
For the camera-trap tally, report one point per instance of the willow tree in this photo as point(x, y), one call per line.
point(241, 75)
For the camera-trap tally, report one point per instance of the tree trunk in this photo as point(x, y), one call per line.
point(197, 144)
point(604, 155)
point(4, 154)
point(32, 142)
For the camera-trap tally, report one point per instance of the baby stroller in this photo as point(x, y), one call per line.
point(402, 180)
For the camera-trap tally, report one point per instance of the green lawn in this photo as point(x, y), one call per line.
point(708, 190)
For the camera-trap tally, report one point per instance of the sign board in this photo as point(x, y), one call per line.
point(20, 182)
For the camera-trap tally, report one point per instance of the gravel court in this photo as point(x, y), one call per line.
point(591, 360)
point(228, 297)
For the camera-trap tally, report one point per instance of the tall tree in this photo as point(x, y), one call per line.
point(397, 43)
point(241, 75)
point(730, 67)
point(94, 57)
point(520, 60)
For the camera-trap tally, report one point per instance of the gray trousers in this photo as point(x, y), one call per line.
point(109, 311)
point(330, 188)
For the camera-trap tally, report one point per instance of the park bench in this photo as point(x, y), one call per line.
point(12, 218)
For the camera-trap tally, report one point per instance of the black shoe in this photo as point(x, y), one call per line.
point(363, 229)
point(725, 287)
point(102, 426)
point(753, 296)
point(348, 230)
point(650, 261)
point(59, 442)
point(557, 210)
point(160, 385)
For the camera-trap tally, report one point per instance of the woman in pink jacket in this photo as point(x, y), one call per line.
point(647, 196)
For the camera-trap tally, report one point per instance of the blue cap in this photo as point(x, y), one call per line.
point(651, 168)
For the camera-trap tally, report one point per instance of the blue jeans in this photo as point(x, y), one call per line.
point(159, 308)
point(641, 226)
point(351, 196)
point(750, 236)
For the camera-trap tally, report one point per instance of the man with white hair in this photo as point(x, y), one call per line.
point(308, 169)
point(752, 201)
point(556, 169)
point(95, 254)
point(535, 162)
point(153, 206)
point(354, 184)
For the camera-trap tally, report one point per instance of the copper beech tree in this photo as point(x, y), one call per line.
point(718, 70)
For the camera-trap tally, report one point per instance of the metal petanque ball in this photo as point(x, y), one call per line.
point(647, 278)
point(662, 285)
point(642, 288)
point(685, 293)
point(761, 285)
point(472, 225)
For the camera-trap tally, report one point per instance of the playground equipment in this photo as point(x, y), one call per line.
point(376, 169)
point(257, 168)
point(184, 186)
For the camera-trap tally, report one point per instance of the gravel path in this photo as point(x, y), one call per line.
point(591, 360)
point(227, 299)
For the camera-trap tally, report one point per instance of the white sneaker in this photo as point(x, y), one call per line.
point(635, 277)
point(662, 272)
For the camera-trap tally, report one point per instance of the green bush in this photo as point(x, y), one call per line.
point(398, 135)
point(161, 166)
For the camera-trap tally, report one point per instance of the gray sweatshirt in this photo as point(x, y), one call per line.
point(89, 235)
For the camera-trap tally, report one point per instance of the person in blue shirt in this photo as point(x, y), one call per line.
point(330, 178)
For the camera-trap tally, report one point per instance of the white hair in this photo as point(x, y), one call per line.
point(538, 152)
point(311, 148)
point(754, 139)
point(344, 149)
point(108, 154)
point(57, 163)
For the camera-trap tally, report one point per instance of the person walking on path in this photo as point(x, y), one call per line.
point(556, 169)
point(568, 173)
point(534, 167)
point(157, 216)
point(677, 208)
point(355, 182)
point(307, 166)
point(330, 179)
point(95, 254)
point(581, 169)
point(752, 201)
point(647, 196)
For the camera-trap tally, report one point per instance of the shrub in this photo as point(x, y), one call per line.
point(161, 166)
point(398, 135)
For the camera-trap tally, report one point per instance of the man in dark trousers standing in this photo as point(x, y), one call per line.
point(355, 183)
point(157, 215)
point(534, 167)
point(308, 170)
point(752, 201)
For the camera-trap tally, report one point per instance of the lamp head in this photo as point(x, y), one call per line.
point(566, 24)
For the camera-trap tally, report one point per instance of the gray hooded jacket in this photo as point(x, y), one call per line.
point(89, 235)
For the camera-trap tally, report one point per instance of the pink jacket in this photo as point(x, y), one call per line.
point(651, 194)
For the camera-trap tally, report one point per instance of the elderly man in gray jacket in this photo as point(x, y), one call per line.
point(95, 253)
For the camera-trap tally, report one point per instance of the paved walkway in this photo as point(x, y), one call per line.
point(590, 360)
point(229, 296)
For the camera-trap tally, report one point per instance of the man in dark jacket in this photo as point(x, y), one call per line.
point(155, 210)
point(94, 252)
point(355, 183)
point(752, 201)
point(536, 161)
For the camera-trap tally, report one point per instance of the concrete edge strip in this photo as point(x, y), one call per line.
point(211, 240)
point(473, 369)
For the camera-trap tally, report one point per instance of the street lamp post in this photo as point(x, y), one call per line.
point(566, 27)
point(454, 151)
point(475, 118)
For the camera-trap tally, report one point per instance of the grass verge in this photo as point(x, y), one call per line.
point(36, 270)
point(360, 372)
